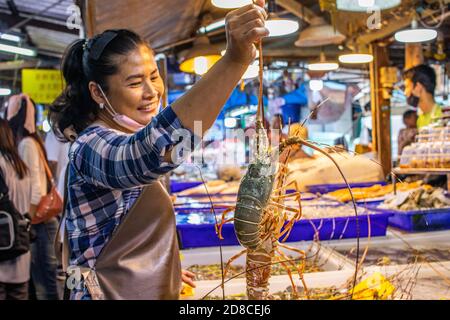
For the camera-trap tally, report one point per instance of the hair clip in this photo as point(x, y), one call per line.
point(85, 44)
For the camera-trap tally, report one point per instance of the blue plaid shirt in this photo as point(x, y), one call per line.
point(106, 175)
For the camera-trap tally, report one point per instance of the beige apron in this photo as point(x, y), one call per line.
point(141, 259)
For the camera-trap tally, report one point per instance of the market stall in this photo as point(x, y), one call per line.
point(329, 193)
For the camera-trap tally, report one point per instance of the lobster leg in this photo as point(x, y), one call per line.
point(223, 221)
point(280, 206)
point(230, 261)
point(289, 272)
point(299, 270)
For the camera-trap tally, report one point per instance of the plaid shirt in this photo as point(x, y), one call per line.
point(106, 175)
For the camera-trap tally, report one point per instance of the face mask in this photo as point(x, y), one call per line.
point(121, 119)
point(413, 101)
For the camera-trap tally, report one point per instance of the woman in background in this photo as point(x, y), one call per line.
point(22, 119)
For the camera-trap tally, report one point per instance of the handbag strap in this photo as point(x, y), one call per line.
point(48, 172)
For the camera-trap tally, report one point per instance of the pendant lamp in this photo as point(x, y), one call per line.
point(200, 58)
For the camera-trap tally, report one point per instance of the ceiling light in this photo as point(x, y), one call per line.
point(415, 34)
point(200, 58)
point(9, 37)
point(17, 50)
point(366, 3)
point(213, 26)
point(230, 4)
point(319, 33)
point(362, 5)
point(356, 58)
point(281, 27)
point(360, 56)
point(5, 92)
point(323, 64)
point(230, 122)
point(316, 85)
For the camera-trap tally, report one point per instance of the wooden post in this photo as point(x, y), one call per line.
point(88, 14)
point(381, 109)
point(413, 55)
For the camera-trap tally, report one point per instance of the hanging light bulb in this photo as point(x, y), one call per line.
point(252, 70)
point(362, 5)
point(281, 27)
point(366, 3)
point(358, 57)
point(230, 4)
point(200, 65)
point(323, 64)
point(277, 26)
point(319, 33)
point(316, 85)
point(5, 92)
point(200, 58)
point(415, 34)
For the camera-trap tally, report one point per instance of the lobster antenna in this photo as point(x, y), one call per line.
point(355, 153)
point(314, 110)
point(260, 110)
point(217, 222)
point(312, 146)
point(259, 267)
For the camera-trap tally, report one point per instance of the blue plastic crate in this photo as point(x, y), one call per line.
point(419, 220)
point(196, 229)
point(340, 228)
point(176, 186)
point(326, 188)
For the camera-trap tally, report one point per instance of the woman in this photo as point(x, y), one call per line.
point(14, 273)
point(120, 222)
point(22, 119)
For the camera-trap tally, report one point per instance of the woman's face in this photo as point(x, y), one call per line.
point(136, 90)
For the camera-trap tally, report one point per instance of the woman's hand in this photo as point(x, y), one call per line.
point(244, 28)
point(188, 278)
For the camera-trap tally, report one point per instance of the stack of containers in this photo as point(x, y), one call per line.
point(430, 151)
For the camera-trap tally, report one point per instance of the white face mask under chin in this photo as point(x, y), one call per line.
point(121, 119)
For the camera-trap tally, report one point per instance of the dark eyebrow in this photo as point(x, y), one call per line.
point(134, 76)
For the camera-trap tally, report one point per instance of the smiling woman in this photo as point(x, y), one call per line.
point(120, 223)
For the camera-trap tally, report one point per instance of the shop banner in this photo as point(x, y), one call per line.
point(42, 85)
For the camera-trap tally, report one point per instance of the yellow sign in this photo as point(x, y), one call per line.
point(42, 85)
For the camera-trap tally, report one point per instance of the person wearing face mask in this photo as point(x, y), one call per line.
point(420, 84)
point(120, 227)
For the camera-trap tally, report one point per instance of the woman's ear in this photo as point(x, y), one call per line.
point(95, 92)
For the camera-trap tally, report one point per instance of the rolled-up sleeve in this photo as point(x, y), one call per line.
point(109, 159)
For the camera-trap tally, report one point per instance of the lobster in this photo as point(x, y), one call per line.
point(260, 217)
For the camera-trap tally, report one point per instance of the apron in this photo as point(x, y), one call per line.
point(141, 259)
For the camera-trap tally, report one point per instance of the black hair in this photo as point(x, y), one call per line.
point(423, 74)
point(84, 61)
point(409, 113)
point(8, 149)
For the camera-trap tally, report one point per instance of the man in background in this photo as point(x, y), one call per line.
point(420, 84)
point(407, 135)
